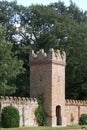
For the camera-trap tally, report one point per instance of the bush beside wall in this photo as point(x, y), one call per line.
point(83, 119)
point(10, 117)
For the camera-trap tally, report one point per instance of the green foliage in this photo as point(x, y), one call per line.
point(53, 26)
point(10, 66)
point(40, 99)
point(10, 117)
point(40, 113)
point(57, 26)
point(83, 119)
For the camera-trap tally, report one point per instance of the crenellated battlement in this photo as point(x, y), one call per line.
point(76, 102)
point(16, 99)
point(53, 56)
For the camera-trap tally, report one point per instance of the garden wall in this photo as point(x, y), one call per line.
point(26, 107)
point(73, 110)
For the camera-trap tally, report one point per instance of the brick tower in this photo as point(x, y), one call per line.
point(47, 77)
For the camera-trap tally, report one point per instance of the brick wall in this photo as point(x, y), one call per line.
point(75, 108)
point(25, 106)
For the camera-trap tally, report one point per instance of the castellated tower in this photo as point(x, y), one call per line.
point(47, 77)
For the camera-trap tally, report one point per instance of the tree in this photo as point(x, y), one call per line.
point(59, 27)
point(54, 26)
point(76, 65)
point(9, 18)
point(10, 66)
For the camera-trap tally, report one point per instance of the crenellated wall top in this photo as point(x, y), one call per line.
point(27, 99)
point(16, 99)
point(76, 102)
point(54, 56)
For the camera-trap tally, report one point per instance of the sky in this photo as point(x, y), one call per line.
point(82, 4)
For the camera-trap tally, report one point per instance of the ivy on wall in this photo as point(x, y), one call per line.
point(40, 112)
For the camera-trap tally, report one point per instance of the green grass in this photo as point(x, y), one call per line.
point(48, 128)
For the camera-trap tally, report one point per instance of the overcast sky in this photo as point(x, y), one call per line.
point(82, 4)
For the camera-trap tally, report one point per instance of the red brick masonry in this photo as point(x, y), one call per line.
point(74, 108)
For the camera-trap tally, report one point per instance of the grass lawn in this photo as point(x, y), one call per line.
point(49, 128)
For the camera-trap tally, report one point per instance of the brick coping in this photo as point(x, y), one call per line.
point(75, 102)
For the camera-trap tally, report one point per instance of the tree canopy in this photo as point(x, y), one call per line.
point(53, 26)
point(10, 66)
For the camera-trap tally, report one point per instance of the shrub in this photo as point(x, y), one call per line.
point(10, 117)
point(40, 99)
point(83, 119)
point(40, 113)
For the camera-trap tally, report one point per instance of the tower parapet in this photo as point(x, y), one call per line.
point(52, 56)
